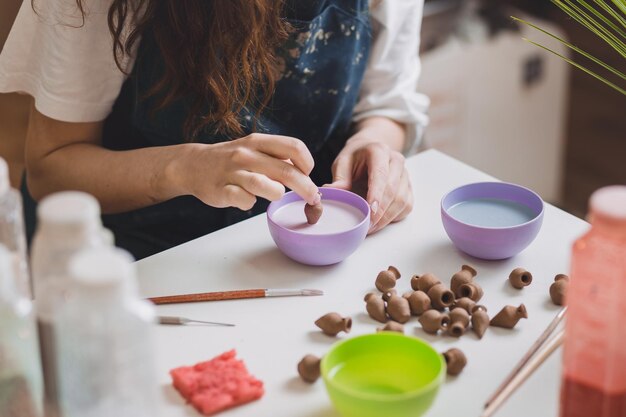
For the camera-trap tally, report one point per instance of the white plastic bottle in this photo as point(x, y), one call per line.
point(105, 343)
point(68, 222)
point(12, 229)
point(20, 372)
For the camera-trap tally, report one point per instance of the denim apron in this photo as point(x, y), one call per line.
point(322, 65)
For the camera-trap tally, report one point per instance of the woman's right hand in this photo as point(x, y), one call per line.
point(235, 173)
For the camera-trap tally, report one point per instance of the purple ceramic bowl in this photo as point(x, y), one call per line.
point(469, 233)
point(320, 249)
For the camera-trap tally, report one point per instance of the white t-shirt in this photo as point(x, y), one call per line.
point(67, 65)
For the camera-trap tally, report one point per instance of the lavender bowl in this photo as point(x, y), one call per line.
point(326, 246)
point(492, 220)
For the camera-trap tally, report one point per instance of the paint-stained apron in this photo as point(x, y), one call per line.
point(322, 66)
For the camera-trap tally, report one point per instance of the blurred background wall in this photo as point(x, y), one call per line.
point(498, 103)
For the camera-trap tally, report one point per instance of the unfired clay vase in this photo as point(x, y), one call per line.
point(375, 307)
point(386, 280)
point(465, 303)
point(509, 316)
point(398, 308)
point(455, 361)
point(480, 320)
point(391, 326)
point(440, 296)
point(432, 321)
point(459, 321)
point(520, 278)
point(424, 282)
point(313, 212)
point(333, 323)
point(471, 290)
point(464, 276)
point(309, 368)
point(558, 289)
point(419, 302)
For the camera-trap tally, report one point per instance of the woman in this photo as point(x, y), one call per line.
point(194, 113)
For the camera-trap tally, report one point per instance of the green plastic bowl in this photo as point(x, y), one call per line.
point(383, 374)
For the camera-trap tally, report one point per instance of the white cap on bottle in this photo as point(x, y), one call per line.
point(103, 271)
point(610, 202)
point(4, 177)
point(69, 210)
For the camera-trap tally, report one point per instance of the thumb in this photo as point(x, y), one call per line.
point(342, 173)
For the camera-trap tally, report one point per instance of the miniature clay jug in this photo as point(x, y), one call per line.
point(440, 296)
point(309, 368)
point(375, 307)
point(333, 323)
point(558, 289)
point(459, 320)
point(313, 212)
point(471, 290)
point(424, 282)
point(455, 361)
point(520, 278)
point(386, 280)
point(480, 320)
point(432, 321)
point(509, 316)
point(419, 302)
point(465, 303)
point(464, 276)
point(398, 308)
point(391, 326)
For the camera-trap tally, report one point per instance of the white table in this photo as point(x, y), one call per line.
point(273, 334)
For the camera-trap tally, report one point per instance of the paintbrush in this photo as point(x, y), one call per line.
point(232, 295)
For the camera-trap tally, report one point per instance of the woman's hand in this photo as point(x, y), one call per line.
point(374, 168)
point(235, 173)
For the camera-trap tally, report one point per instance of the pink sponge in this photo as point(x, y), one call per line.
point(215, 385)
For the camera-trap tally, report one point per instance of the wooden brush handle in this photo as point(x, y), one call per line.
point(208, 296)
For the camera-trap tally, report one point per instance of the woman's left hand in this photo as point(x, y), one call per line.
point(374, 168)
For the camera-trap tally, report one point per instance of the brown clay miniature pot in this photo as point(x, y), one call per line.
point(509, 316)
point(387, 295)
point(459, 321)
point(391, 326)
point(480, 320)
point(386, 280)
point(375, 307)
point(471, 290)
point(455, 361)
point(464, 276)
point(465, 303)
point(558, 289)
point(432, 321)
point(440, 296)
point(313, 212)
point(398, 308)
point(333, 323)
point(309, 368)
point(520, 278)
point(419, 302)
point(424, 282)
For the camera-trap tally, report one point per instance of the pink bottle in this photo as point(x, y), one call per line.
point(594, 358)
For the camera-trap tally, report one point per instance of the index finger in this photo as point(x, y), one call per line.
point(285, 147)
point(377, 175)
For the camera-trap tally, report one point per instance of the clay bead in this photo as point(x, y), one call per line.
point(558, 289)
point(509, 316)
point(471, 290)
point(464, 276)
point(440, 296)
point(333, 323)
point(309, 368)
point(520, 278)
point(419, 302)
point(432, 321)
point(313, 212)
point(465, 303)
point(424, 282)
point(455, 361)
point(375, 307)
point(387, 295)
point(480, 320)
point(391, 326)
point(398, 308)
point(459, 320)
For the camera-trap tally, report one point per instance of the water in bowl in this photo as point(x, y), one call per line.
point(491, 212)
point(337, 217)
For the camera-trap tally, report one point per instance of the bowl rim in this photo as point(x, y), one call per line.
point(436, 381)
point(366, 217)
point(536, 218)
